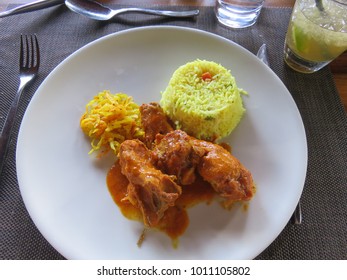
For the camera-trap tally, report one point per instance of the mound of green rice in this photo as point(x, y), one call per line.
point(202, 98)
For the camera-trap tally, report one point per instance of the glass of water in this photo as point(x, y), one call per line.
point(238, 13)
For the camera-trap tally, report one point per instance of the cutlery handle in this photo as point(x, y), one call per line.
point(36, 5)
point(190, 13)
point(6, 131)
point(296, 218)
point(262, 55)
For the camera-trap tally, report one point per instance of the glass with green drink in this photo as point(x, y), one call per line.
point(317, 34)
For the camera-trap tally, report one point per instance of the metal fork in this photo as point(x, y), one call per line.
point(29, 61)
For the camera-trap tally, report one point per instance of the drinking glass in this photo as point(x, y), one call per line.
point(317, 34)
point(238, 13)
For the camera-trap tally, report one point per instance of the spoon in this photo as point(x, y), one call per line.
point(32, 6)
point(95, 10)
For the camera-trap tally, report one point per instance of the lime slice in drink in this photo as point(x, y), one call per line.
point(299, 38)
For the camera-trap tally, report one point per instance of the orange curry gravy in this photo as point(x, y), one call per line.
point(175, 220)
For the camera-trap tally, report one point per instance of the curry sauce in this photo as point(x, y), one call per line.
point(175, 220)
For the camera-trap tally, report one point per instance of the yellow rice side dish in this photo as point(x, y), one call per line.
point(202, 98)
point(110, 119)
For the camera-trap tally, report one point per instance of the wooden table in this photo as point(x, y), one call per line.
point(338, 67)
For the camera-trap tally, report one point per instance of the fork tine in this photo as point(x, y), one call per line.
point(28, 51)
point(21, 53)
point(32, 51)
point(37, 51)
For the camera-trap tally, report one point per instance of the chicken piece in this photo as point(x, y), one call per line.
point(181, 155)
point(229, 178)
point(175, 156)
point(149, 189)
point(154, 121)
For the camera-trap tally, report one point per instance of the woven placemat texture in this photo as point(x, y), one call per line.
point(323, 234)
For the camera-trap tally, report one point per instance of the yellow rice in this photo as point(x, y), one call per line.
point(207, 108)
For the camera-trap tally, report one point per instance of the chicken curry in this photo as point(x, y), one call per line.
point(156, 179)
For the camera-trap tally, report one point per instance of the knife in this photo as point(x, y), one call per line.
point(33, 6)
point(297, 216)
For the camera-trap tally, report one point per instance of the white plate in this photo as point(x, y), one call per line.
point(65, 191)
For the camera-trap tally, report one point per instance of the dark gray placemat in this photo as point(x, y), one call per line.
point(323, 234)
